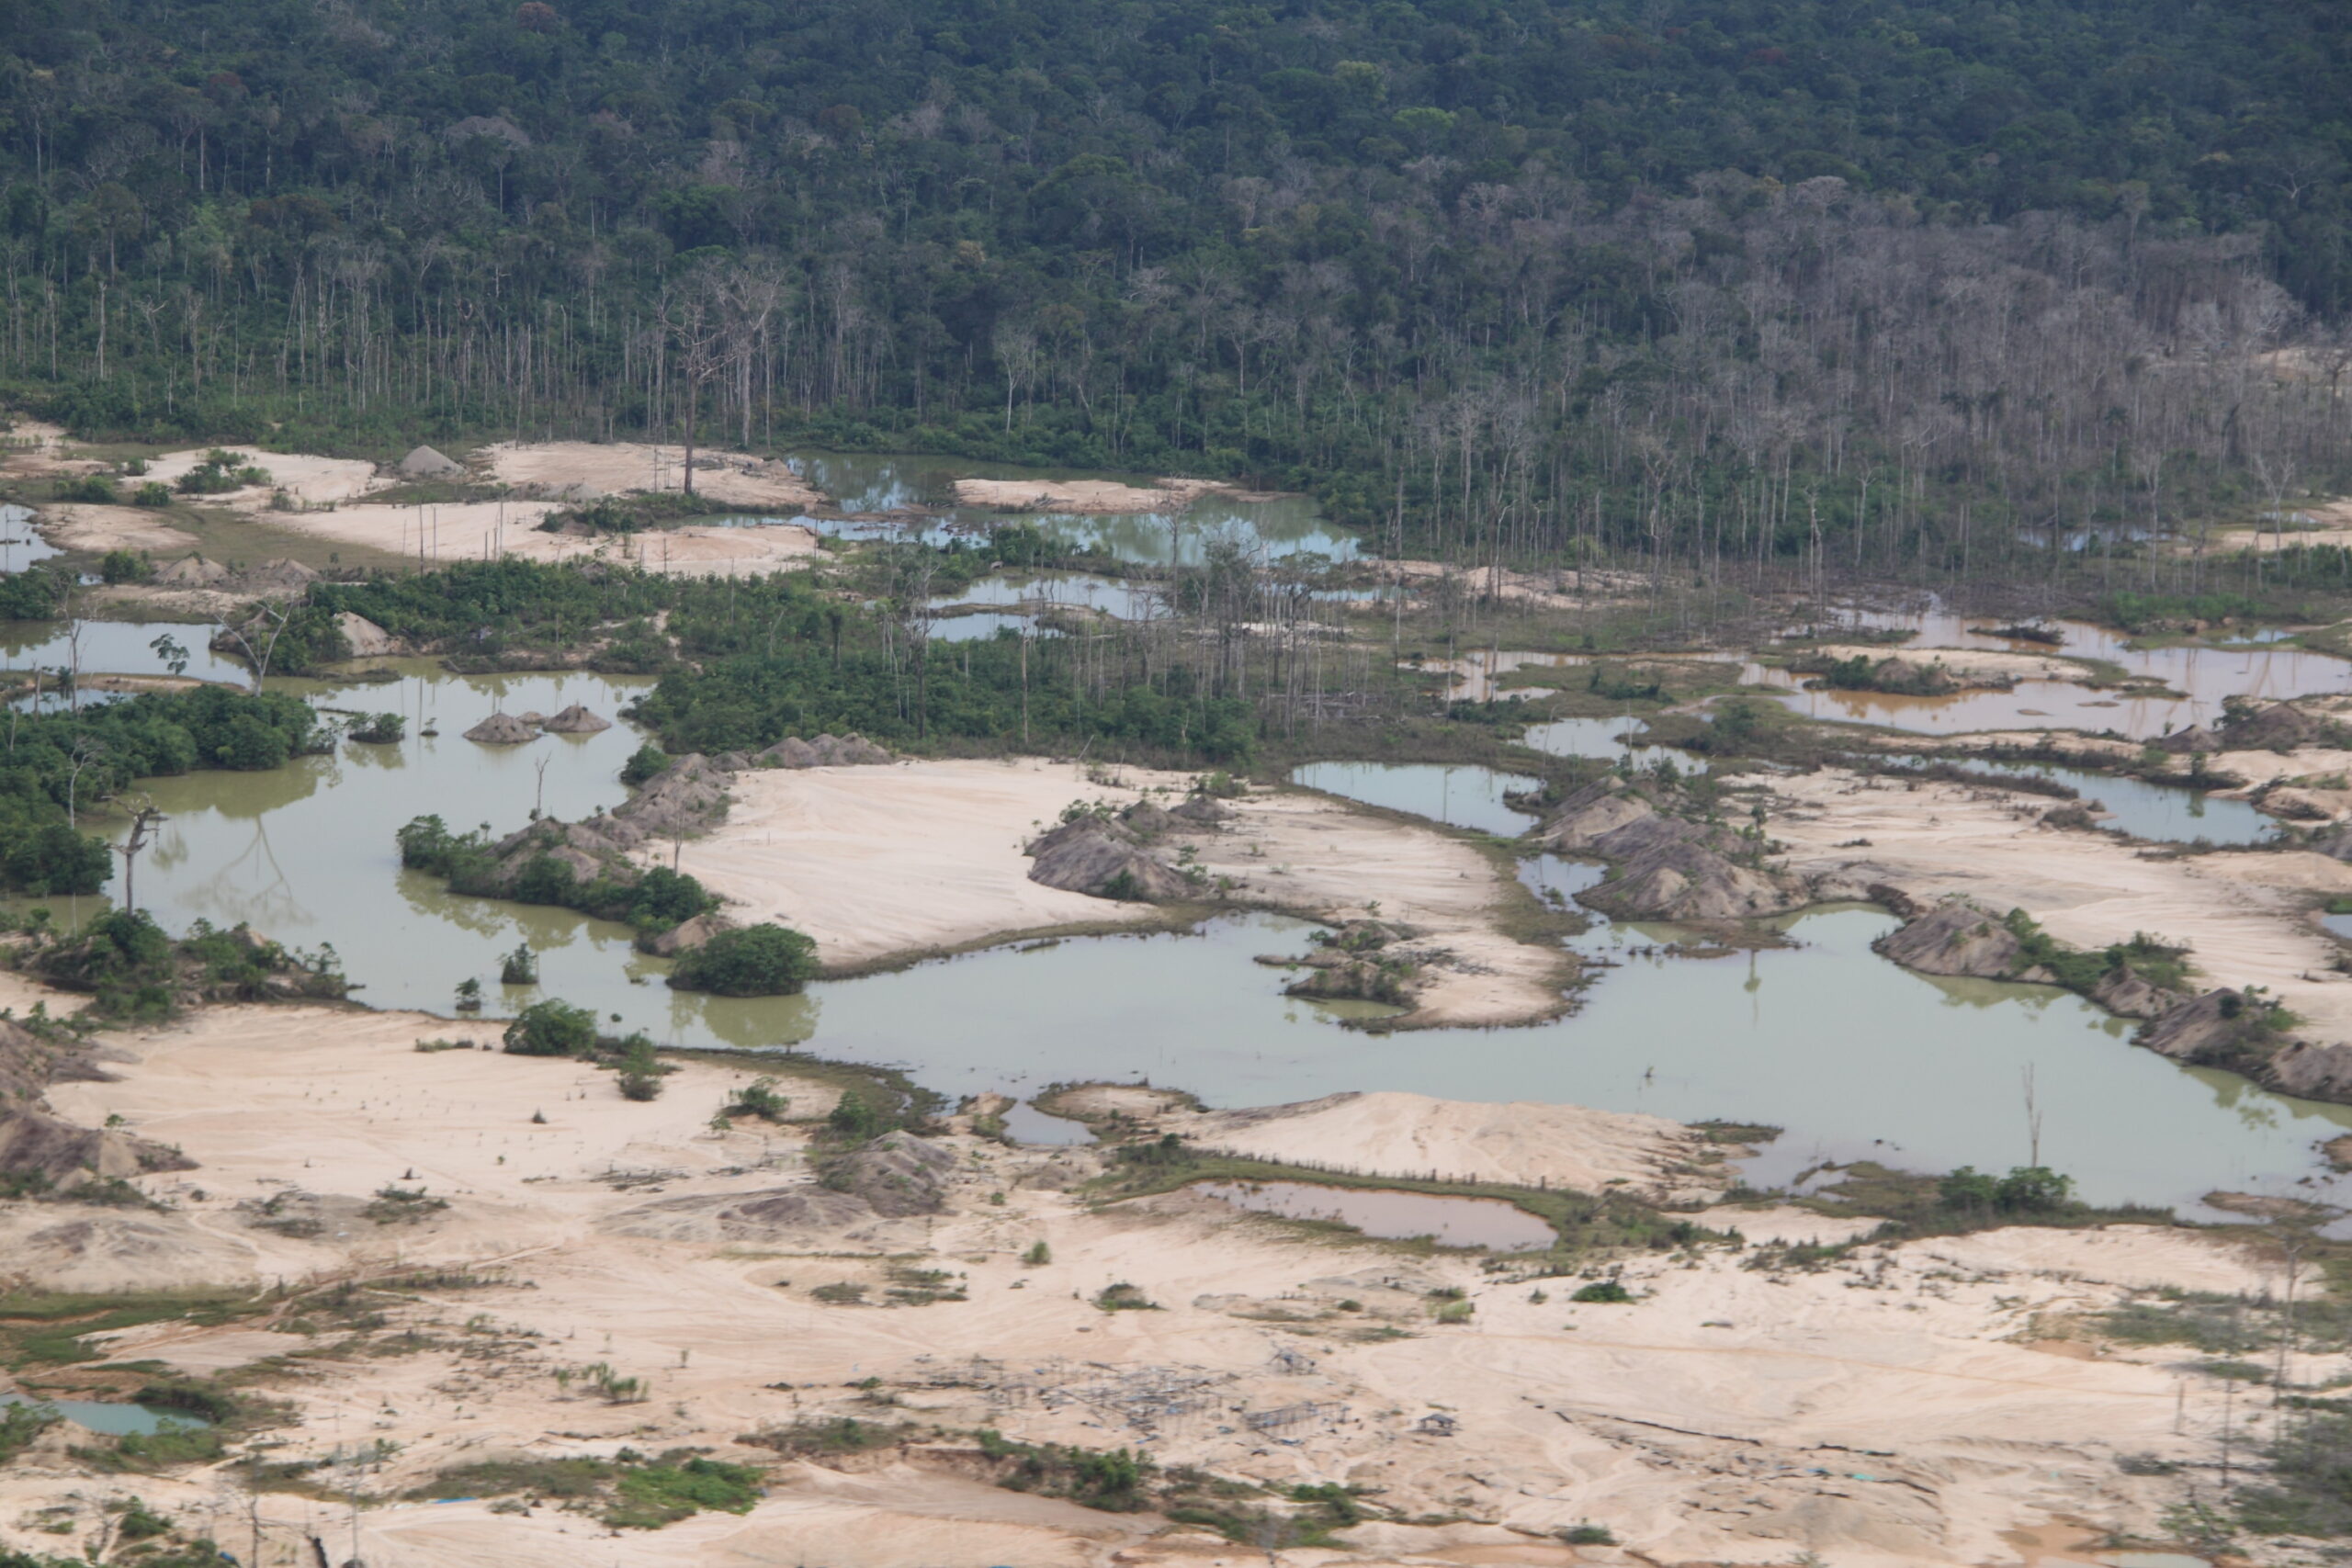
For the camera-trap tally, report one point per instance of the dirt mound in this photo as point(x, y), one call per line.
point(1148, 820)
point(1959, 936)
point(2196, 738)
point(364, 637)
point(280, 576)
point(897, 1174)
point(1201, 811)
point(688, 796)
point(2226, 1028)
point(193, 571)
point(1664, 866)
point(425, 463)
point(2273, 727)
point(34, 1143)
point(577, 720)
point(1105, 860)
point(779, 1213)
point(502, 729)
point(690, 935)
point(825, 751)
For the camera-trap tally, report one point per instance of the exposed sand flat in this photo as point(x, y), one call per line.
point(1522, 1144)
point(484, 530)
point(1102, 496)
point(877, 863)
point(1321, 856)
point(589, 467)
point(2237, 912)
point(99, 528)
point(304, 476)
point(1716, 1420)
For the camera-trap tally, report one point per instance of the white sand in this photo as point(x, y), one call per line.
point(101, 528)
point(878, 863)
point(485, 530)
point(1522, 1142)
point(609, 468)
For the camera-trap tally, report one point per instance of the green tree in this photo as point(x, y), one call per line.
point(756, 961)
point(552, 1028)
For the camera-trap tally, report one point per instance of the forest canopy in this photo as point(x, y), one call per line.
point(1724, 279)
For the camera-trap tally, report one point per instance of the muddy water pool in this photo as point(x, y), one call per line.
point(2202, 676)
point(1854, 1056)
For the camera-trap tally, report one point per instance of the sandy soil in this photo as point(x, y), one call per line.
point(307, 478)
point(102, 528)
point(1899, 1407)
point(584, 469)
point(1102, 496)
point(882, 864)
point(1521, 1143)
point(878, 863)
point(2239, 913)
point(483, 529)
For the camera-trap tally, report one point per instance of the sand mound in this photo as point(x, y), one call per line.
point(59, 1246)
point(691, 934)
point(779, 1213)
point(425, 463)
point(194, 571)
point(502, 729)
point(1412, 1135)
point(577, 720)
point(364, 636)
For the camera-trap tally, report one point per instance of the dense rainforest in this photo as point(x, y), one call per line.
point(1866, 282)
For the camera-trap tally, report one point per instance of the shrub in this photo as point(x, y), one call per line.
point(125, 566)
point(520, 967)
point(658, 1495)
point(640, 1078)
point(1602, 1291)
point(758, 1098)
point(377, 728)
point(757, 961)
point(644, 762)
point(551, 1028)
point(93, 490)
point(152, 493)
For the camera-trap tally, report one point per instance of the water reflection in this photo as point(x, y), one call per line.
point(1457, 793)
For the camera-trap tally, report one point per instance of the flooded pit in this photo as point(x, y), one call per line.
point(1856, 1057)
